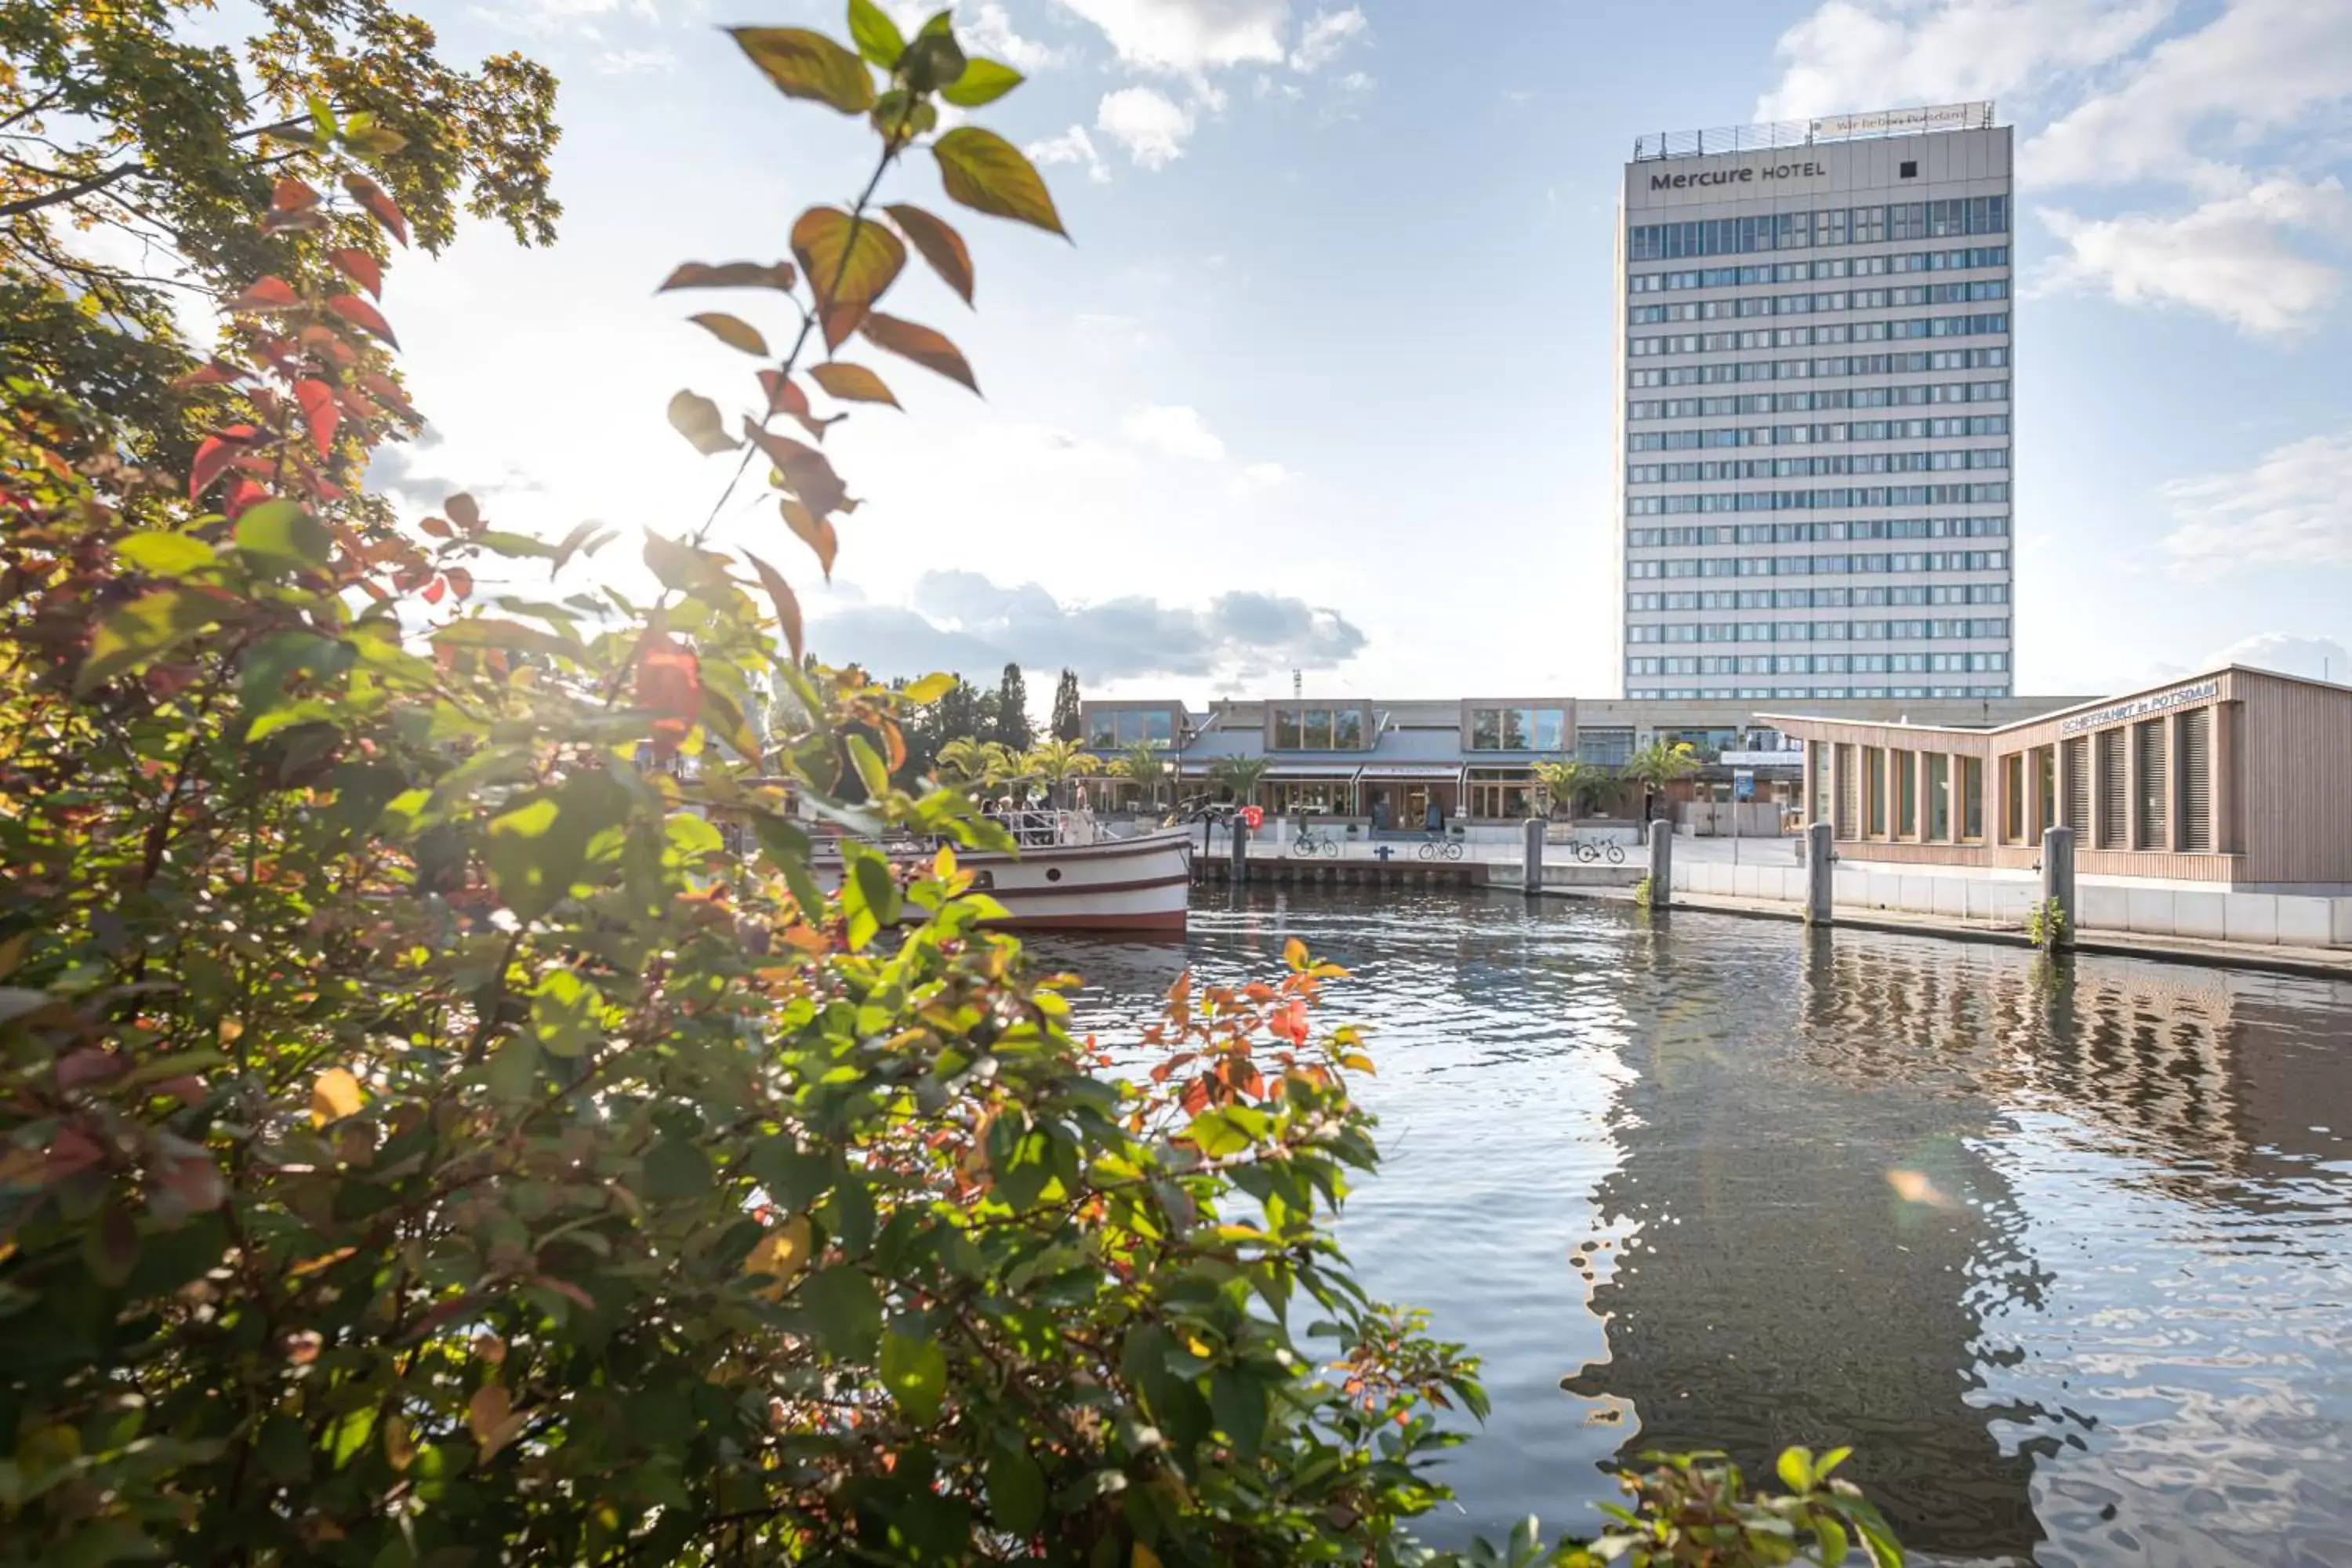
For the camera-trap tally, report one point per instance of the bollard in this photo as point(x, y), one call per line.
point(1534, 848)
point(1661, 864)
point(1239, 850)
point(2058, 880)
point(1820, 856)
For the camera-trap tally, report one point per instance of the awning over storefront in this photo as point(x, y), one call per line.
point(1433, 773)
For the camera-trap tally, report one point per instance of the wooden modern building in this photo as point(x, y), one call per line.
point(2239, 777)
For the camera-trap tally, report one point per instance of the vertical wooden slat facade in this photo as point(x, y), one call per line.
point(2241, 777)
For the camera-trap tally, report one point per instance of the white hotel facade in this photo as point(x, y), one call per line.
point(1814, 359)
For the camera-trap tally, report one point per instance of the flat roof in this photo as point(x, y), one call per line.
point(1870, 127)
point(2090, 705)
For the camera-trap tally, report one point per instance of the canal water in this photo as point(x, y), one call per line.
point(2067, 1255)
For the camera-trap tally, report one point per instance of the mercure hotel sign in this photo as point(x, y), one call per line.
point(2141, 706)
point(1746, 173)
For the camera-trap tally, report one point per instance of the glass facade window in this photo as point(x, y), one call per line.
point(1939, 797)
point(1123, 729)
point(1309, 798)
point(1318, 728)
point(1906, 794)
point(1609, 748)
point(1972, 800)
point(1518, 729)
point(1504, 793)
point(1873, 789)
point(2012, 798)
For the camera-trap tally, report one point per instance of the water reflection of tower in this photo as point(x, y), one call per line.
point(1812, 1257)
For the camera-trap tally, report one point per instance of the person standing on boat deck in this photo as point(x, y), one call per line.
point(1078, 800)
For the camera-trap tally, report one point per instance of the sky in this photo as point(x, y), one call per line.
point(1323, 382)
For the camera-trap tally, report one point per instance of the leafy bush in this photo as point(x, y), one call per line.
point(2045, 923)
point(430, 1137)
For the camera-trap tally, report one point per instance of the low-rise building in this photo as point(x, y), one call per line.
point(1473, 757)
point(2239, 777)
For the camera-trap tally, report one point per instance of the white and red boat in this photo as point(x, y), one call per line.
point(1069, 877)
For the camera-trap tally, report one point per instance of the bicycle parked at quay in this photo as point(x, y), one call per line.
point(1437, 846)
point(1309, 844)
point(1587, 852)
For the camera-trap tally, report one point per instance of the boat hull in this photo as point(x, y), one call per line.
point(1141, 884)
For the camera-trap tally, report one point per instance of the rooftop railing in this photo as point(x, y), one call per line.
point(1811, 133)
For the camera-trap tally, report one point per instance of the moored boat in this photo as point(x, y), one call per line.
point(1065, 875)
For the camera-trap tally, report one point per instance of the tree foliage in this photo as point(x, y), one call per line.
point(426, 1139)
point(1066, 720)
point(1575, 787)
point(1013, 729)
point(1658, 762)
point(127, 132)
point(1239, 777)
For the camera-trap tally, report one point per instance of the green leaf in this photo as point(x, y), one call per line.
point(1795, 1466)
point(931, 688)
point(732, 331)
point(802, 64)
point(563, 1012)
point(915, 1371)
point(514, 1069)
point(871, 882)
point(787, 846)
point(167, 554)
point(870, 769)
point(933, 60)
point(793, 1178)
point(278, 535)
point(983, 81)
point(1830, 1536)
point(844, 1310)
point(1217, 1133)
point(675, 1169)
point(876, 37)
point(1237, 1400)
point(507, 634)
point(133, 635)
point(849, 262)
point(987, 174)
point(695, 417)
point(1017, 1490)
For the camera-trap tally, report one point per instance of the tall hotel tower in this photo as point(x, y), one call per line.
point(1813, 383)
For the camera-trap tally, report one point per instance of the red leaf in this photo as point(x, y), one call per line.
point(243, 494)
point(787, 605)
point(434, 589)
point(464, 511)
point(669, 686)
point(213, 457)
point(360, 313)
point(292, 195)
point(318, 411)
point(816, 532)
point(785, 397)
point(1289, 1022)
point(804, 470)
point(380, 207)
point(361, 267)
point(461, 582)
point(214, 372)
point(270, 293)
point(919, 343)
point(438, 528)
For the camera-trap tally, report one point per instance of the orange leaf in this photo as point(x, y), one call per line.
point(380, 207)
point(318, 411)
point(213, 373)
point(387, 392)
point(464, 511)
point(785, 397)
point(292, 195)
point(787, 605)
point(940, 246)
point(434, 589)
point(213, 457)
point(852, 383)
point(461, 582)
point(804, 470)
point(729, 275)
point(270, 293)
point(669, 686)
point(816, 532)
point(924, 346)
point(361, 314)
point(358, 267)
point(848, 262)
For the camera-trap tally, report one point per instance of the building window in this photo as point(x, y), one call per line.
point(2147, 745)
point(1319, 729)
point(1972, 800)
point(1849, 793)
point(1518, 729)
point(2194, 730)
point(1939, 797)
point(1124, 729)
point(1608, 748)
point(2112, 820)
point(1817, 774)
point(2012, 798)
point(1318, 798)
point(2045, 789)
point(1906, 794)
point(1508, 793)
point(1874, 786)
point(2077, 772)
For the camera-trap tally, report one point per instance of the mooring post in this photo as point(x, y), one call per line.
point(1661, 864)
point(1821, 858)
point(1240, 848)
point(1533, 856)
point(2058, 881)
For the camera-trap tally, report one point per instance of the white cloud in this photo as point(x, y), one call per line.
point(986, 29)
point(1185, 37)
point(1324, 37)
point(1072, 146)
point(2294, 507)
point(1852, 54)
point(2320, 658)
point(1265, 476)
point(2259, 66)
point(635, 62)
point(1175, 431)
point(2231, 257)
point(1150, 124)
